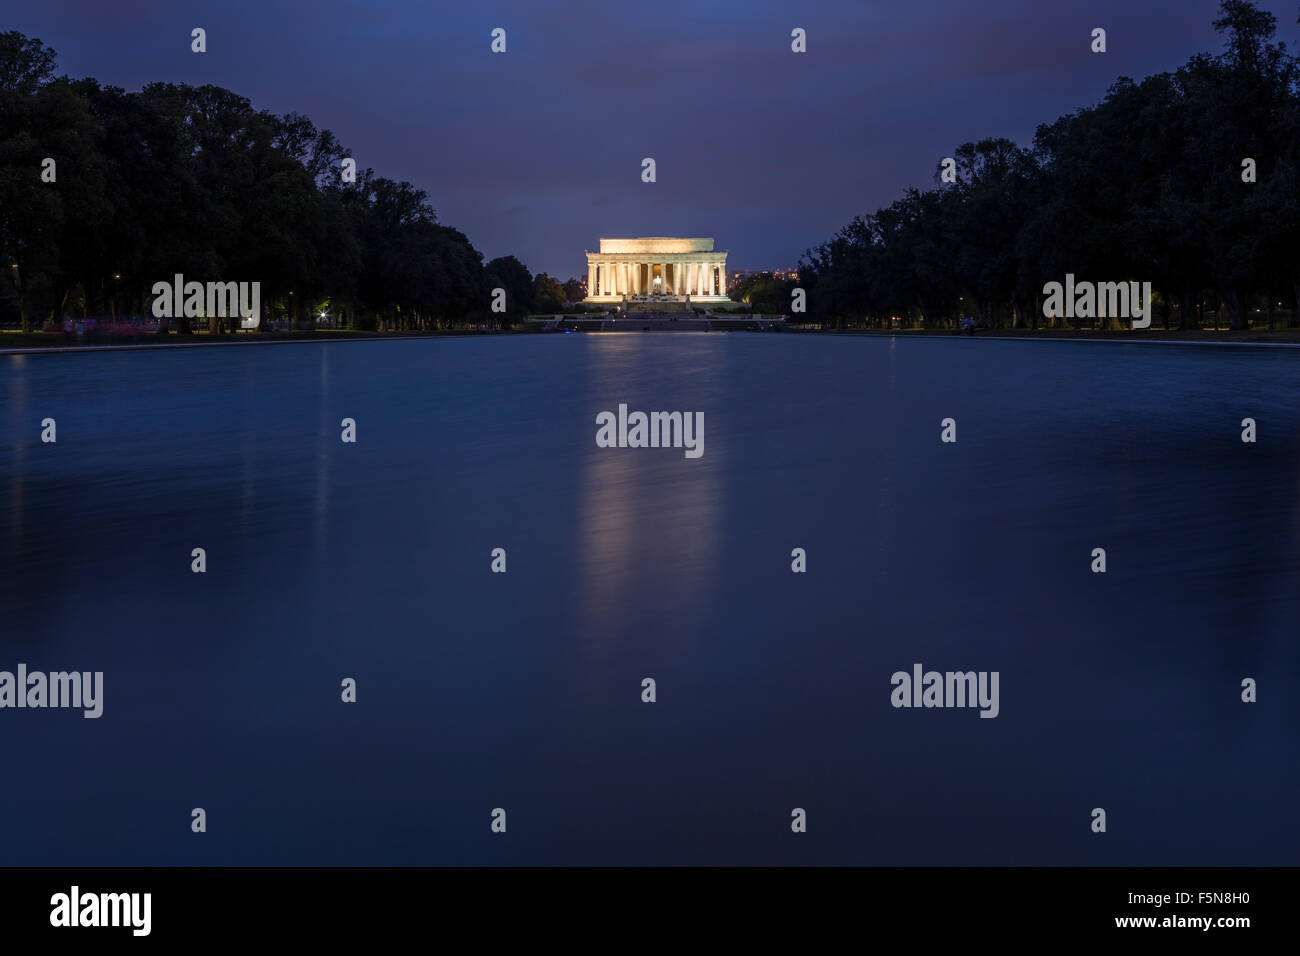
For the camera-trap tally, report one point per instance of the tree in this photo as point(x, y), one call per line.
point(26, 64)
point(31, 212)
point(573, 291)
point(507, 272)
point(548, 295)
point(1249, 29)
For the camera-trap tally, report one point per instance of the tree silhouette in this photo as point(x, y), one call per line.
point(195, 180)
point(1147, 185)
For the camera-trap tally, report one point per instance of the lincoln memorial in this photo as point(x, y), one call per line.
point(657, 270)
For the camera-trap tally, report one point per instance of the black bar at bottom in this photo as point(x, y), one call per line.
point(192, 905)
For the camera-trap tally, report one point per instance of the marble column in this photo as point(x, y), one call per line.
point(722, 278)
point(591, 279)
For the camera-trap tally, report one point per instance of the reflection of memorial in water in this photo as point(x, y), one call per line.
point(648, 519)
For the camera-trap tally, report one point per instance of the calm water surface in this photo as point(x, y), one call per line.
point(522, 691)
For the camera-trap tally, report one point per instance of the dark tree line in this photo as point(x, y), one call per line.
point(194, 180)
point(1145, 186)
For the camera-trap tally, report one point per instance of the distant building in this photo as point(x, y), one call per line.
point(657, 268)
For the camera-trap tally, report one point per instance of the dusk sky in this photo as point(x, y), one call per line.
point(537, 152)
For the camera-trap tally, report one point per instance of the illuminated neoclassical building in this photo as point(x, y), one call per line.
point(657, 268)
